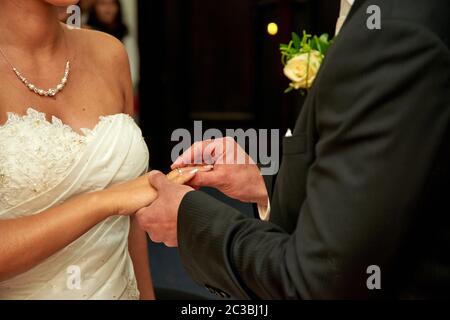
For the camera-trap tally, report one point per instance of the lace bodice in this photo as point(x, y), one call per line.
point(30, 163)
point(44, 163)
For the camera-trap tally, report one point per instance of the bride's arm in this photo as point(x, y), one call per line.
point(26, 242)
point(137, 245)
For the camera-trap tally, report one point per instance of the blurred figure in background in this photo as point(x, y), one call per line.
point(107, 16)
point(86, 7)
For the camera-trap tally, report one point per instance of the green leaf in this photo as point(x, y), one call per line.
point(316, 44)
point(296, 41)
point(306, 39)
point(324, 38)
point(289, 90)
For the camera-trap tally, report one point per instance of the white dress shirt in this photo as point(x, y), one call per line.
point(346, 5)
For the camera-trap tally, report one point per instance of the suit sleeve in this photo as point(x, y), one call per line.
point(381, 115)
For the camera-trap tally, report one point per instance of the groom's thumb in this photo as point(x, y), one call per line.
point(157, 179)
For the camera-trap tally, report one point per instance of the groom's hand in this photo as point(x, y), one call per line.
point(161, 217)
point(235, 173)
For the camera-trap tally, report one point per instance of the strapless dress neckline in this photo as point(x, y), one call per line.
point(33, 114)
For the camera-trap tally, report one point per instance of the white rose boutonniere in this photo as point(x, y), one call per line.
point(302, 69)
point(302, 59)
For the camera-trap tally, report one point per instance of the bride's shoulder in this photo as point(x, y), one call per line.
point(101, 47)
point(106, 57)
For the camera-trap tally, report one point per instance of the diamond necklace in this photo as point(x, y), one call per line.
point(45, 93)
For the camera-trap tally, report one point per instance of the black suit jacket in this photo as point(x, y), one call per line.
point(363, 181)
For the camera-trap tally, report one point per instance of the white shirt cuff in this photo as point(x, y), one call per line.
point(264, 212)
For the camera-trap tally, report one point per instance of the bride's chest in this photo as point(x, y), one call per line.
point(79, 104)
point(34, 153)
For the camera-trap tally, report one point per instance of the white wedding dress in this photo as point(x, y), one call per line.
point(44, 163)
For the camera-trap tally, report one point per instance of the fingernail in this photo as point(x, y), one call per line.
point(193, 171)
point(208, 167)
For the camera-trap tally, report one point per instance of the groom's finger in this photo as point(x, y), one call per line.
point(205, 179)
point(187, 158)
point(154, 238)
point(146, 218)
point(157, 179)
point(171, 244)
point(192, 156)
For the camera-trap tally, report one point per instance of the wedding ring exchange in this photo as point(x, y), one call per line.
point(262, 147)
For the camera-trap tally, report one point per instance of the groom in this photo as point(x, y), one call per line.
point(360, 205)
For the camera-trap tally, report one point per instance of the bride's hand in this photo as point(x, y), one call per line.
point(127, 198)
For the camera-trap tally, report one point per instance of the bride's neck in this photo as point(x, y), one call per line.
point(29, 26)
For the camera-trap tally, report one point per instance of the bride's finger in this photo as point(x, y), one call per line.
point(184, 175)
point(175, 174)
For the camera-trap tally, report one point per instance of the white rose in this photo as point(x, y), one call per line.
point(303, 68)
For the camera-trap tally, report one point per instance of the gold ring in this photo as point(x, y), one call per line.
point(180, 172)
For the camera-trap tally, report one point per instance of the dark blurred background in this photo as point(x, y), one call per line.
point(208, 60)
point(214, 61)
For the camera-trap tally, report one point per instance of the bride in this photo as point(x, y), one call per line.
point(67, 193)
